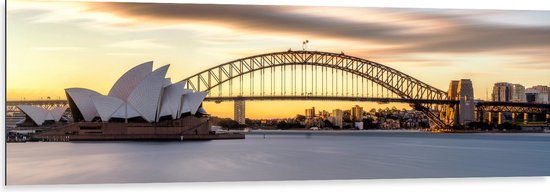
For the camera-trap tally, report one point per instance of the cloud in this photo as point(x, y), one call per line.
point(415, 30)
point(486, 38)
point(530, 64)
point(462, 34)
point(473, 74)
point(122, 54)
point(138, 44)
point(251, 18)
point(65, 12)
point(400, 31)
point(64, 48)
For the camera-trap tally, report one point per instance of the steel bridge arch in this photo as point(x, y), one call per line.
point(393, 80)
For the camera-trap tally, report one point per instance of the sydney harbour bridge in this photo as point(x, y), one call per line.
point(325, 76)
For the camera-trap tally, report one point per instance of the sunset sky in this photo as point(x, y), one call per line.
point(56, 45)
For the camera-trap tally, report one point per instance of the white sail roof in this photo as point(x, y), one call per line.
point(171, 99)
point(201, 110)
point(146, 96)
point(39, 115)
point(49, 116)
point(167, 82)
point(82, 99)
point(131, 111)
point(193, 101)
point(140, 92)
point(106, 106)
point(184, 106)
point(125, 111)
point(130, 80)
point(57, 112)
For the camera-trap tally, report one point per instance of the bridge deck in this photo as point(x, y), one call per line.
point(331, 98)
point(495, 103)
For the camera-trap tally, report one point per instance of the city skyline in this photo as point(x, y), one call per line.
point(60, 44)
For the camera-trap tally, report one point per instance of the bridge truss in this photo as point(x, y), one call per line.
point(513, 107)
point(11, 106)
point(319, 75)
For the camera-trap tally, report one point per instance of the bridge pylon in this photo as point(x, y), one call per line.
point(464, 112)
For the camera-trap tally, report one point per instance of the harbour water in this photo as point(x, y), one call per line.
point(282, 156)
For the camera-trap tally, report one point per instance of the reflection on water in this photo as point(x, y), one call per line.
point(274, 156)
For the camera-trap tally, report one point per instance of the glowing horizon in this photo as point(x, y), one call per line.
point(56, 45)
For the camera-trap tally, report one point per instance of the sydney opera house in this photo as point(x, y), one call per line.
point(142, 104)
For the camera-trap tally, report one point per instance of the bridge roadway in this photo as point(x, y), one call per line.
point(36, 102)
point(268, 98)
point(511, 104)
point(11, 106)
point(331, 98)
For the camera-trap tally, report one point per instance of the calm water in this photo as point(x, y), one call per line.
point(282, 157)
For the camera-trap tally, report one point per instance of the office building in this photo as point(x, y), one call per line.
point(338, 117)
point(310, 113)
point(501, 92)
point(357, 113)
point(542, 93)
point(508, 92)
point(324, 114)
point(517, 93)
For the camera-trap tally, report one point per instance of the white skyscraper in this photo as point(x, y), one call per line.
point(517, 93)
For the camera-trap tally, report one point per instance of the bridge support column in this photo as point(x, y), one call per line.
point(466, 105)
point(513, 117)
point(547, 117)
point(456, 116)
point(500, 118)
point(525, 117)
point(490, 117)
point(480, 116)
point(239, 111)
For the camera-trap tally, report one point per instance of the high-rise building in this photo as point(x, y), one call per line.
point(239, 111)
point(508, 92)
point(542, 88)
point(543, 98)
point(531, 95)
point(324, 114)
point(357, 113)
point(517, 93)
point(338, 117)
point(310, 113)
point(346, 115)
point(543, 93)
point(501, 92)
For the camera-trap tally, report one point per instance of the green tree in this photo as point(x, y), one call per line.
point(282, 125)
point(373, 110)
point(394, 109)
point(300, 118)
point(328, 123)
point(508, 126)
point(230, 124)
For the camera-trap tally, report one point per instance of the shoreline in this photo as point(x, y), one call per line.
point(396, 131)
point(337, 131)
